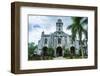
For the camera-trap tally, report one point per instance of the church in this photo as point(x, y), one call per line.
point(58, 41)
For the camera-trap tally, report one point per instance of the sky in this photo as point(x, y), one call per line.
point(38, 23)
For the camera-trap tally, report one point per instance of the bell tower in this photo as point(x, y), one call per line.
point(59, 25)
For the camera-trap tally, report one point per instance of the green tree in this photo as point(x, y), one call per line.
point(66, 52)
point(77, 29)
point(50, 51)
point(31, 48)
point(85, 22)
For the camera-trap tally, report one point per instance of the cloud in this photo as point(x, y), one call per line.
point(37, 24)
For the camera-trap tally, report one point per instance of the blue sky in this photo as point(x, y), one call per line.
point(37, 24)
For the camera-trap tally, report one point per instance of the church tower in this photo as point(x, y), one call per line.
point(59, 25)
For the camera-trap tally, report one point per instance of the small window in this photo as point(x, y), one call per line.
point(59, 29)
point(59, 25)
point(59, 32)
point(59, 40)
point(45, 41)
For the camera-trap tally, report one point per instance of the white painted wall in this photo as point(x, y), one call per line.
point(5, 33)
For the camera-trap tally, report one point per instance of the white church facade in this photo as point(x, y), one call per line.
point(58, 41)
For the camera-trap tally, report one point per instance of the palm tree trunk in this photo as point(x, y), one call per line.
point(82, 52)
point(81, 48)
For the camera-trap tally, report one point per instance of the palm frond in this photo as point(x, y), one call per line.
point(70, 26)
point(85, 33)
point(84, 21)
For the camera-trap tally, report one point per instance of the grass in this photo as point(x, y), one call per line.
point(68, 56)
point(37, 57)
point(34, 57)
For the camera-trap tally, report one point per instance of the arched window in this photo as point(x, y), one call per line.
point(59, 29)
point(59, 40)
point(45, 41)
point(59, 26)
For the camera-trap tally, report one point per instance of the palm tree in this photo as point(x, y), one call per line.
point(85, 22)
point(77, 29)
point(31, 49)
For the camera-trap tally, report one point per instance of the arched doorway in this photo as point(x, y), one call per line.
point(72, 50)
point(45, 51)
point(59, 51)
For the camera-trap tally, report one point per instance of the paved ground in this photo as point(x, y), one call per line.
point(59, 58)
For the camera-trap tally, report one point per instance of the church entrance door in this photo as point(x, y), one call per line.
point(59, 51)
point(45, 49)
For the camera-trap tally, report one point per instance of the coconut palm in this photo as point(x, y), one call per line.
point(85, 22)
point(77, 29)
